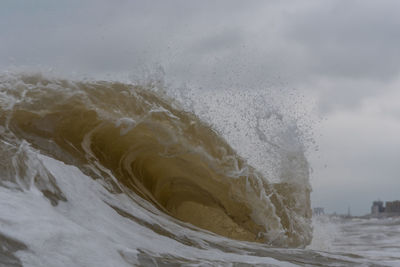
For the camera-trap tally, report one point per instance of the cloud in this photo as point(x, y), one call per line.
point(353, 39)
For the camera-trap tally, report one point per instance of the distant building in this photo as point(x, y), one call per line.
point(377, 207)
point(392, 206)
point(318, 211)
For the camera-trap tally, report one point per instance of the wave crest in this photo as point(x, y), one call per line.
point(138, 141)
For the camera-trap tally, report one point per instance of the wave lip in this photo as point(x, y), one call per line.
point(138, 142)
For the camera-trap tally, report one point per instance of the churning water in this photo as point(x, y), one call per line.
point(101, 173)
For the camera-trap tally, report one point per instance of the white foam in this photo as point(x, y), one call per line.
point(85, 231)
point(324, 233)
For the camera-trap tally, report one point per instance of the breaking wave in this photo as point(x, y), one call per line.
point(146, 152)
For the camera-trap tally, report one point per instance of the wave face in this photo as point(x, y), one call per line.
point(146, 153)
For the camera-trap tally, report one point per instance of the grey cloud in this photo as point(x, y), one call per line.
point(345, 93)
point(224, 40)
point(356, 39)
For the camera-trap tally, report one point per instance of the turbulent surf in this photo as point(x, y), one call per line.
point(137, 176)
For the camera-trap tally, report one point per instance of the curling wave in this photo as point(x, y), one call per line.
point(139, 142)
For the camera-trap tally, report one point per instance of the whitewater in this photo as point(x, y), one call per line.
point(108, 173)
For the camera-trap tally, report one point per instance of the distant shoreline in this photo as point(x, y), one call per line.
point(381, 215)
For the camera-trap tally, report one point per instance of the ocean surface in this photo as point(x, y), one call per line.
point(107, 173)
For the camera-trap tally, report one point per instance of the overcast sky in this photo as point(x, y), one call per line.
point(342, 54)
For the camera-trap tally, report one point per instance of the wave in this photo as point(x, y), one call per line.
point(140, 143)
